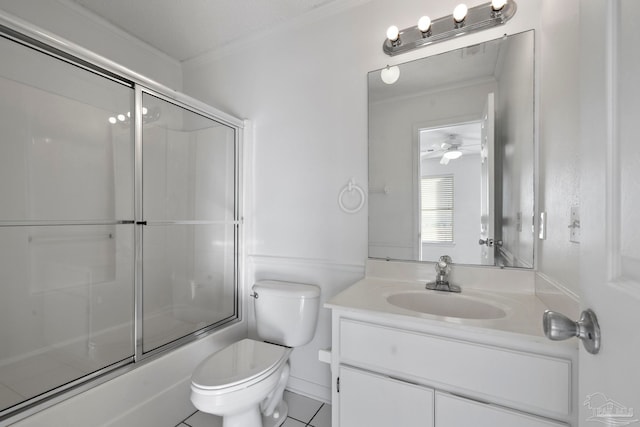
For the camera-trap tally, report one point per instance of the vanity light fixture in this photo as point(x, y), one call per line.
point(497, 5)
point(463, 21)
point(390, 75)
point(424, 25)
point(460, 14)
point(393, 35)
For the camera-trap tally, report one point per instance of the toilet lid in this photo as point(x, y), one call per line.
point(240, 362)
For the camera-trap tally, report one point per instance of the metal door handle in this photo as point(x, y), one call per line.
point(559, 327)
point(490, 242)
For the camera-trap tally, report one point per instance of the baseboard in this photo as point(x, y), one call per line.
point(318, 392)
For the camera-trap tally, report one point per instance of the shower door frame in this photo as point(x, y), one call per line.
point(140, 222)
point(30, 36)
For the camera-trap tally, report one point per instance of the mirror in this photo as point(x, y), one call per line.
point(451, 156)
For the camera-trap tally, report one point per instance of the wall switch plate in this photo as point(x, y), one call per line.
point(574, 225)
point(542, 226)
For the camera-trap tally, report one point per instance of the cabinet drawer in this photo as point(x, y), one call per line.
point(524, 381)
point(371, 400)
point(454, 411)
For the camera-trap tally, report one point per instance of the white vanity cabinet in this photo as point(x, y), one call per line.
point(386, 374)
point(368, 399)
point(455, 411)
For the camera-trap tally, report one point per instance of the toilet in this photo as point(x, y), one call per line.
point(244, 382)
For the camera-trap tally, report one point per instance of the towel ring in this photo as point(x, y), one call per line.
point(351, 186)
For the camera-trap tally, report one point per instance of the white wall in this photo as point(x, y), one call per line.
point(305, 88)
point(68, 20)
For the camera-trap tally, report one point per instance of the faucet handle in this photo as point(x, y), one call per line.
point(446, 258)
point(443, 265)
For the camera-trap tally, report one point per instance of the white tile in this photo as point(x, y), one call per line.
point(323, 417)
point(300, 407)
point(202, 419)
point(290, 422)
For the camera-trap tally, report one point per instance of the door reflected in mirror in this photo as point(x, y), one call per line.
point(451, 157)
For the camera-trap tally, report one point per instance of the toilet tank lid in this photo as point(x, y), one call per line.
point(287, 289)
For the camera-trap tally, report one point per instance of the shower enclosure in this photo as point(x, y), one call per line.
point(119, 221)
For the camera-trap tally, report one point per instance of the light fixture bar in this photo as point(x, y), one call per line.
point(445, 28)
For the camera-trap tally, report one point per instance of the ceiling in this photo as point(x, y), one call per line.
point(185, 29)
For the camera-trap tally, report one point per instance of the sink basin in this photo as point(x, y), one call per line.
point(446, 304)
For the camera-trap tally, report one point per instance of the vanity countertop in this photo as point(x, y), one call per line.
point(523, 320)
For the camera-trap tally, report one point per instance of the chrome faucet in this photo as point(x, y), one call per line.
point(443, 269)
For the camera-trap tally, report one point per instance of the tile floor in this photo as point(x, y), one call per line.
point(303, 411)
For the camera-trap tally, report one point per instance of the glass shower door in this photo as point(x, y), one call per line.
point(66, 224)
point(189, 236)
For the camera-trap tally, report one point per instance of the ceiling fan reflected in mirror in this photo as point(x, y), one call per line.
point(451, 147)
point(450, 143)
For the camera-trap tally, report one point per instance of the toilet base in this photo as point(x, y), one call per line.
point(278, 417)
point(250, 418)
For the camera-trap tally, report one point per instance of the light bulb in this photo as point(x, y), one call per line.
point(424, 24)
point(498, 4)
point(145, 110)
point(460, 12)
point(121, 117)
point(113, 120)
point(393, 33)
point(452, 154)
point(390, 75)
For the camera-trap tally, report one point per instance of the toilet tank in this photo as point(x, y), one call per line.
point(286, 312)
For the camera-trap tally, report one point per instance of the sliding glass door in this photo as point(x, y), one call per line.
point(189, 228)
point(66, 224)
point(119, 223)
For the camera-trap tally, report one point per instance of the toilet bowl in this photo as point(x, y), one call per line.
point(233, 382)
point(244, 382)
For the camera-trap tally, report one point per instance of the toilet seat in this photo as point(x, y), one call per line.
point(238, 366)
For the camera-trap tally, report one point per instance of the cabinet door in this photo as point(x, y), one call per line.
point(371, 400)
point(454, 411)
